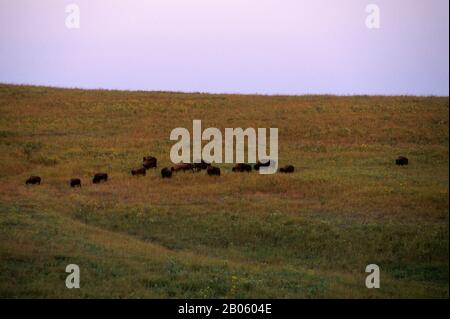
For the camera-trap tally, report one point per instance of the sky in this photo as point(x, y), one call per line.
point(229, 46)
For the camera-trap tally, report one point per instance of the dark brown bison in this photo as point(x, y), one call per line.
point(100, 177)
point(138, 171)
point(149, 162)
point(212, 170)
point(183, 167)
point(261, 164)
point(242, 167)
point(33, 180)
point(166, 173)
point(401, 160)
point(149, 158)
point(200, 166)
point(75, 182)
point(287, 169)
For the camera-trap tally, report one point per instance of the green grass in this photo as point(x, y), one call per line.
point(304, 235)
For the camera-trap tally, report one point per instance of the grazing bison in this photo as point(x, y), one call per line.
point(149, 158)
point(33, 180)
point(166, 173)
point(261, 164)
point(287, 169)
point(401, 160)
point(149, 162)
point(138, 171)
point(202, 165)
point(100, 177)
point(212, 170)
point(242, 167)
point(75, 182)
point(183, 167)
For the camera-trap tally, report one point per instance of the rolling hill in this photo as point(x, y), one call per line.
point(241, 235)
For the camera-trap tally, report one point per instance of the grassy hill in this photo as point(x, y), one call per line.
point(305, 235)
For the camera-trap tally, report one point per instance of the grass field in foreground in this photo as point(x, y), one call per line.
point(305, 235)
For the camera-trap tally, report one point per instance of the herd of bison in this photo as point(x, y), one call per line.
point(150, 162)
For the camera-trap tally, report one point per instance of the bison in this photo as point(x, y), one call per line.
point(100, 177)
point(261, 164)
point(212, 170)
point(183, 167)
point(33, 180)
point(138, 171)
point(166, 173)
point(202, 165)
point(149, 158)
point(75, 182)
point(401, 160)
point(149, 162)
point(242, 167)
point(287, 169)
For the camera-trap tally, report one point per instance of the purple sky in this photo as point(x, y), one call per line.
point(232, 46)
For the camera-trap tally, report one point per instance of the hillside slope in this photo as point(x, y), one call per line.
point(308, 235)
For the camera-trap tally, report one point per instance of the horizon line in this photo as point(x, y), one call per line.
point(219, 93)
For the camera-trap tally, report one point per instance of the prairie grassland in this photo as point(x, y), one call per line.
point(304, 235)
